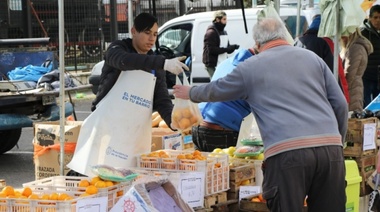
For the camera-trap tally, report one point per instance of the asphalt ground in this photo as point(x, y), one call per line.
point(16, 166)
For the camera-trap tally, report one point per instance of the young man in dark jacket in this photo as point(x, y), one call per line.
point(136, 54)
point(215, 43)
point(371, 30)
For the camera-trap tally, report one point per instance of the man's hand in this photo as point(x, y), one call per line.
point(181, 91)
point(232, 48)
point(175, 65)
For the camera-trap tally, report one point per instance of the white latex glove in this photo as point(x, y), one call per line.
point(175, 65)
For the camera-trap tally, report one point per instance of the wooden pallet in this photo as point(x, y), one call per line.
point(216, 202)
point(215, 199)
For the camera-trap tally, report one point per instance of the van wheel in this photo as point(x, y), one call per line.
point(9, 139)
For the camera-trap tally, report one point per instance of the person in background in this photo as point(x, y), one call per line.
point(324, 48)
point(354, 53)
point(215, 43)
point(310, 40)
point(371, 30)
point(136, 54)
point(302, 116)
point(222, 120)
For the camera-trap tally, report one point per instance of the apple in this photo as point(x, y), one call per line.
point(217, 150)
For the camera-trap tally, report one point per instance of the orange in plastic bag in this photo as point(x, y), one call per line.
point(185, 113)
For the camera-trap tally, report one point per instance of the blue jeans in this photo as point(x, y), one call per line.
point(371, 91)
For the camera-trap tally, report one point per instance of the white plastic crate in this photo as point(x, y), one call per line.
point(30, 205)
point(215, 167)
point(67, 183)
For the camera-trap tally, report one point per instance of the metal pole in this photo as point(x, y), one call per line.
point(208, 3)
point(27, 18)
point(336, 40)
point(61, 30)
point(113, 20)
point(130, 17)
point(298, 20)
point(182, 7)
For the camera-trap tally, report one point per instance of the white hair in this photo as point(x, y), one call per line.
point(268, 29)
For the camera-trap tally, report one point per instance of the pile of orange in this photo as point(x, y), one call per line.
point(258, 198)
point(27, 193)
point(196, 155)
point(158, 154)
point(92, 186)
point(183, 118)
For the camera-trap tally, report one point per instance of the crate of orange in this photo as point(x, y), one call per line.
point(28, 199)
point(82, 185)
point(256, 203)
point(214, 165)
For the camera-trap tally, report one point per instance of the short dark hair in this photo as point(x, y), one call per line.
point(144, 21)
point(374, 8)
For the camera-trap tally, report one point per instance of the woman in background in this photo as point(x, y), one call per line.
point(355, 51)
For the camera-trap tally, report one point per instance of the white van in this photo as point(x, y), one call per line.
point(184, 35)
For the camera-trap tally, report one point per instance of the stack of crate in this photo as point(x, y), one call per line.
point(242, 173)
point(358, 129)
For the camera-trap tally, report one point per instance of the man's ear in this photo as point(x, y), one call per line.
point(133, 30)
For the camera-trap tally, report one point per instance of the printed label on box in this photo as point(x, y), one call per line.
point(173, 141)
point(187, 139)
point(246, 191)
point(131, 200)
point(369, 136)
point(97, 204)
point(191, 187)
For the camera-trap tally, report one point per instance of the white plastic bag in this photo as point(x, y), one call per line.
point(185, 113)
point(120, 127)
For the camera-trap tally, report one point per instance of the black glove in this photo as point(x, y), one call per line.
point(230, 49)
point(236, 46)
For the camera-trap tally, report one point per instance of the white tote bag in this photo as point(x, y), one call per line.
point(120, 127)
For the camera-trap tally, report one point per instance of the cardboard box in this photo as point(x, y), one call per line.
point(149, 194)
point(164, 138)
point(47, 152)
point(190, 185)
point(355, 137)
point(188, 142)
point(366, 167)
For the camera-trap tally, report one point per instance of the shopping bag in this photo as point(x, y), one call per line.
point(248, 130)
point(270, 12)
point(120, 127)
point(185, 113)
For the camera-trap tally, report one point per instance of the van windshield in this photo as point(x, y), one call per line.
point(175, 36)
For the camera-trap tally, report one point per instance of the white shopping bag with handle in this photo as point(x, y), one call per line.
point(120, 127)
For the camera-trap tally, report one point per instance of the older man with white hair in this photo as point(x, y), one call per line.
point(302, 116)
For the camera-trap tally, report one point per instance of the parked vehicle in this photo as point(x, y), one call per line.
point(184, 36)
point(22, 103)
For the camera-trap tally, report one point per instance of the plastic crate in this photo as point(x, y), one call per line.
point(215, 167)
point(28, 205)
point(70, 184)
